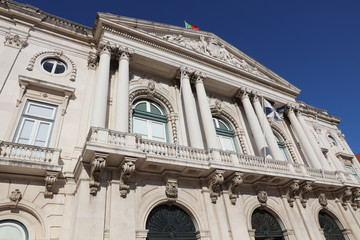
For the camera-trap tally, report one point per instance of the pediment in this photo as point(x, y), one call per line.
point(206, 44)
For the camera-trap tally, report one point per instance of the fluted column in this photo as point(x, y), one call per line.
point(191, 117)
point(313, 141)
point(269, 135)
point(308, 150)
point(205, 113)
point(254, 124)
point(99, 107)
point(122, 93)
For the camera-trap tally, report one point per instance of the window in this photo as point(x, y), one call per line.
point(266, 226)
point(13, 230)
point(36, 124)
point(149, 120)
point(332, 140)
point(282, 148)
point(331, 228)
point(224, 135)
point(54, 66)
point(350, 169)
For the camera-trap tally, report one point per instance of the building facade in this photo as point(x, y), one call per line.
point(140, 130)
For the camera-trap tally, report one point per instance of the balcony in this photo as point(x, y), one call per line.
point(28, 159)
point(157, 157)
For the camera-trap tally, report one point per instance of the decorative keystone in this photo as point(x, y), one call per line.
point(15, 197)
point(323, 200)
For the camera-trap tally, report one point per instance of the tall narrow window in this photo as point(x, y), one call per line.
point(149, 120)
point(331, 228)
point(224, 134)
point(36, 124)
point(350, 169)
point(282, 148)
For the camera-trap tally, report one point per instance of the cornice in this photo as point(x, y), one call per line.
point(322, 114)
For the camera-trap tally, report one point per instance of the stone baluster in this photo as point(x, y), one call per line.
point(205, 113)
point(254, 123)
point(269, 135)
point(308, 150)
point(191, 117)
point(122, 92)
point(101, 88)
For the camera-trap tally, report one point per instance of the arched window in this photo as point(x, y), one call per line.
point(331, 229)
point(224, 134)
point(282, 148)
point(266, 226)
point(170, 222)
point(13, 230)
point(149, 120)
point(332, 140)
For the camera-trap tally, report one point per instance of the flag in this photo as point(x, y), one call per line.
point(277, 113)
point(191, 26)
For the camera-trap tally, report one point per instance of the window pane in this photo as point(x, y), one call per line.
point(140, 126)
point(155, 110)
point(25, 132)
point(11, 232)
point(158, 131)
point(141, 107)
point(60, 68)
point(42, 134)
point(48, 66)
point(41, 111)
point(227, 143)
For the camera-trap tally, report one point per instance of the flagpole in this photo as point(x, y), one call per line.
point(179, 111)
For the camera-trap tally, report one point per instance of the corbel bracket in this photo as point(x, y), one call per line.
point(50, 180)
point(355, 198)
point(97, 166)
point(215, 184)
point(305, 189)
point(345, 197)
point(127, 169)
point(235, 182)
point(292, 192)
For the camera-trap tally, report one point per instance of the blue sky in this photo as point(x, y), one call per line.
point(312, 44)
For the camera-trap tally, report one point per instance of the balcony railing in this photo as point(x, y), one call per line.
point(229, 160)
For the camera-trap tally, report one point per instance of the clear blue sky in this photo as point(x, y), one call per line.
point(312, 44)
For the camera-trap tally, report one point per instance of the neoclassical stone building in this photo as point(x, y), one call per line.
point(140, 130)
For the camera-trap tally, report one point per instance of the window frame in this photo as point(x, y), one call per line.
point(221, 133)
point(281, 146)
point(18, 225)
point(56, 62)
point(38, 119)
point(352, 171)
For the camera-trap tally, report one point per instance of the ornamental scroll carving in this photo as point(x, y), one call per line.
point(50, 180)
point(345, 197)
point(293, 191)
point(213, 48)
point(306, 188)
point(355, 199)
point(236, 181)
point(97, 166)
point(127, 169)
point(15, 197)
point(215, 185)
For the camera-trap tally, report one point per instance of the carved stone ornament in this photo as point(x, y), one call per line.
point(355, 199)
point(127, 169)
point(97, 166)
point(15, 197)
point(293, 191)
point(14, 41)
point(323, 200)
point(50, 180)
point(215, 185)
point(306, 188)
point(262, 197)
point(213, 48)
point(92, 60)
point(345, 197)
point(197, 77)
point(236, 181)
point(171, 189)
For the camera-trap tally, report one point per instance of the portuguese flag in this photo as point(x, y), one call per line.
point(191, 26)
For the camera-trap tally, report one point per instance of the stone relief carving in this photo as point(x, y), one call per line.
point(127, 169)
point(355, 199)
point(211, 47)
point(50, 180)
point(171, 189)
point(323, 200)
point(92, 60)
point(235, 182)
point(215, 185)
point(15, 197)
point(97, 166)
point(262, 197)
point(14, 41)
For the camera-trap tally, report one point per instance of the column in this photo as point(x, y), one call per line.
point(312, 140)
point(308, 150)
point(122, 93)
point(100, 98)
point(191, 117)
point(254, 124)
point(269, 135)
point(205, 113)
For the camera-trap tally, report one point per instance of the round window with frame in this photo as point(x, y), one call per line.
point(224, 135)
point(149, 120)
point(54, 65)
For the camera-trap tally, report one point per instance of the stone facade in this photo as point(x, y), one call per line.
point(81, 159)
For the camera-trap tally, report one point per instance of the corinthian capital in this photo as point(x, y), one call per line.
point(243, 92)
point(124, 52)
point(187, 72)
point(105, 47)
point(198, 77)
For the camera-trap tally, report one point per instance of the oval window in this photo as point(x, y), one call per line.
point(54, 66)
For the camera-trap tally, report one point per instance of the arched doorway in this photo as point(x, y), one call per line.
point(331, 228)
point(171, 223)
point(266, 226)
